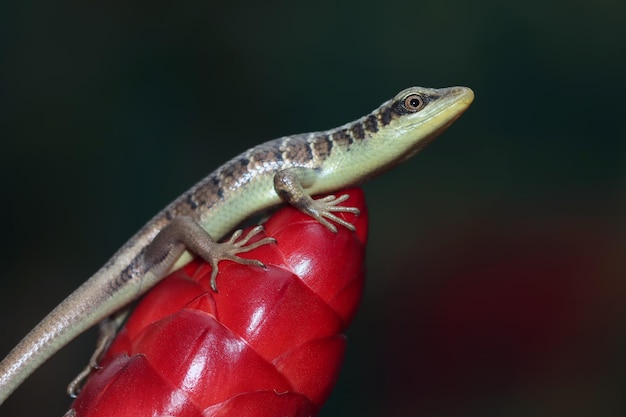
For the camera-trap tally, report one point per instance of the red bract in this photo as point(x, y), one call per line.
point(269, 343)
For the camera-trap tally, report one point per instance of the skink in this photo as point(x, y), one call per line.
point(290, 169)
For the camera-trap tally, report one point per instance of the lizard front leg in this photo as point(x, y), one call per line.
point(290, 186)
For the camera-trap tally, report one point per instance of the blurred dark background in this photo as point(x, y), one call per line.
point(496, 281)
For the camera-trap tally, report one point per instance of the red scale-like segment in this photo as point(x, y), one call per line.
point(267, 344)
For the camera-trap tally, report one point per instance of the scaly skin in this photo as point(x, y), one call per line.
point(289, 169)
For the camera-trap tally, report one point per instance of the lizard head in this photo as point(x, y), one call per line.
point(402, 126)
point(418, 115)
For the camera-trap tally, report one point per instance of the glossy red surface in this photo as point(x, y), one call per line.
point(268, 344)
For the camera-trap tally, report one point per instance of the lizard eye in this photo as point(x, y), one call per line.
point(413, 103)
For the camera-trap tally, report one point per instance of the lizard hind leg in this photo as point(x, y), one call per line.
point(186, 233)
point(233, 246)
point(107, 330)
point(199, 242)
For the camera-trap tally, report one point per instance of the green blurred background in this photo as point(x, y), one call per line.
point(496, 268)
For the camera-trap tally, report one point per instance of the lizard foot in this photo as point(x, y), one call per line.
point(229, 250)
point(323, 208)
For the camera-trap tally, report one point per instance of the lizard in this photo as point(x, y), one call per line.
point(290, 169)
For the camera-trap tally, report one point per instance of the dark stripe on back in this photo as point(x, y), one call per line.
point(385, 115)
point(357, 131)
point(322, 146)
point(342, 138)
point(192, 203)
point(371, 124)
point(297, 150)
